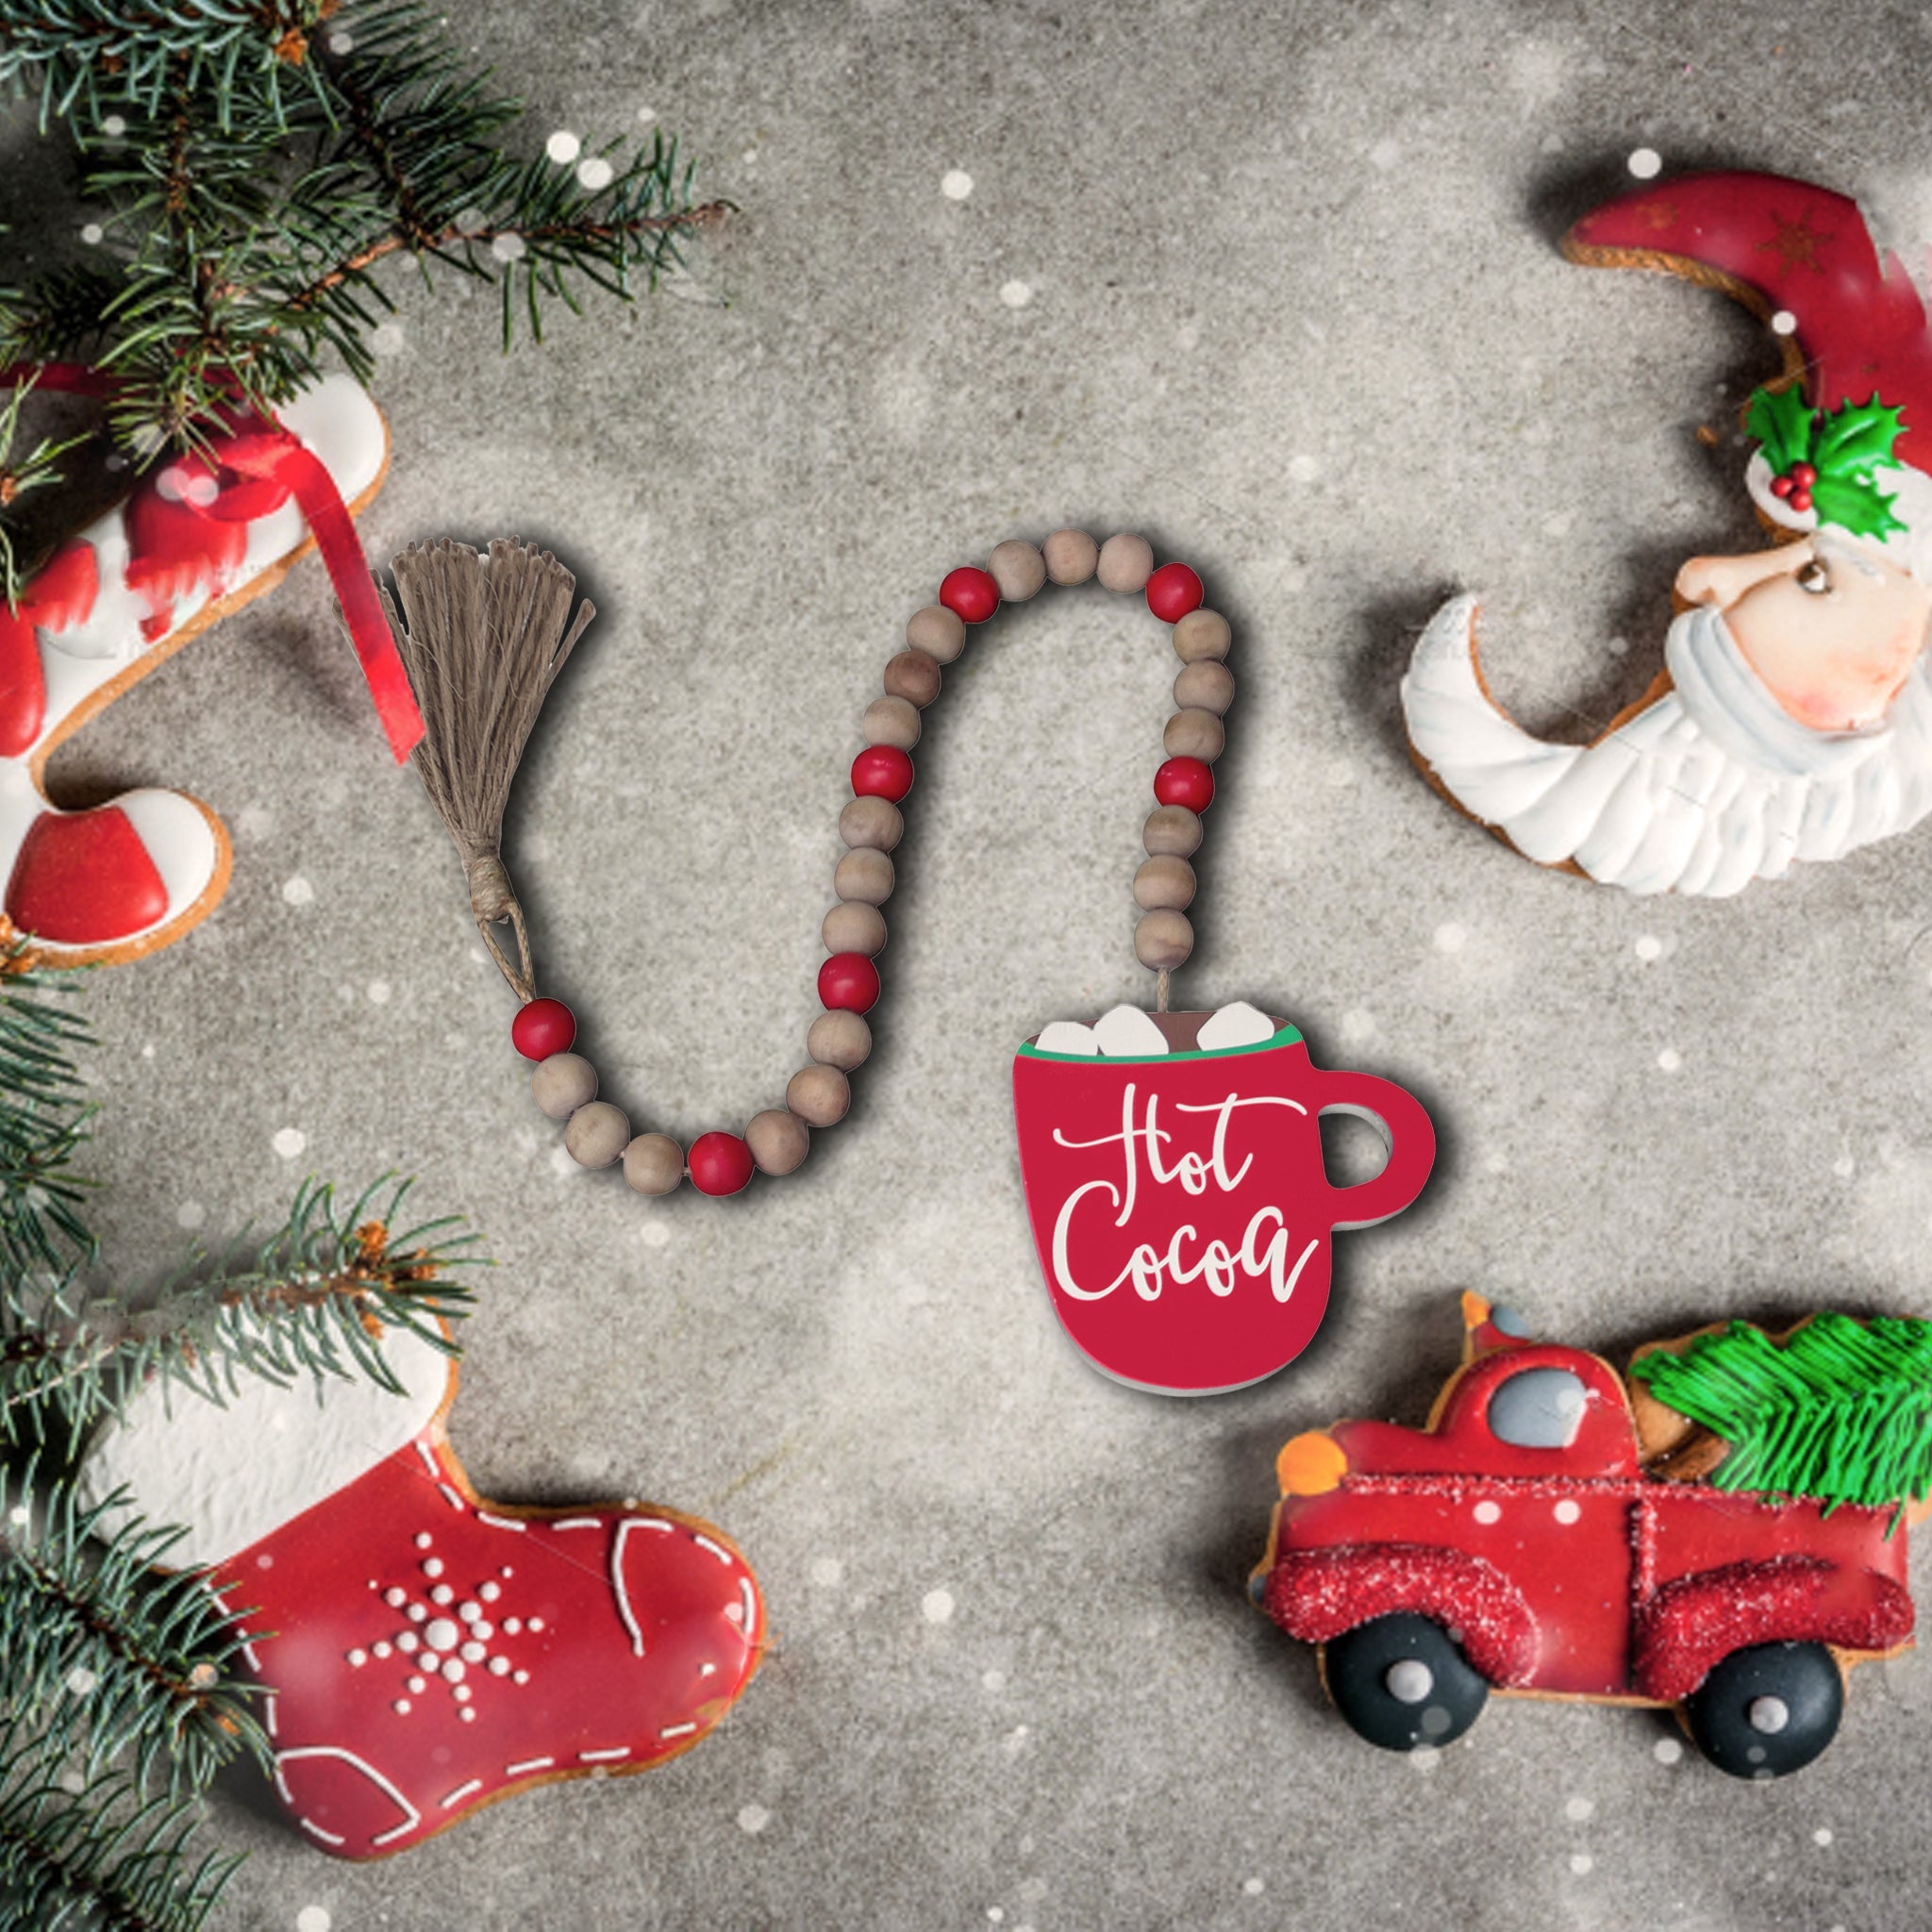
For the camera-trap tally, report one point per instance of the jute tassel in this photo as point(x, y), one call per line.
point(484, 638)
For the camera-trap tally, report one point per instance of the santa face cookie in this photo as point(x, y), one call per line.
point(424, 1652)
point(1794, 717)
point(1555, 1532)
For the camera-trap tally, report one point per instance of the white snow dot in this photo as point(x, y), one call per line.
point(386, 339)
point(80, 1680)
point(1821, 1836)
point(1567, 1511)
point(1303, 469)
point(1385, 153)
point(753, 1819)
point(1579, 1811)
point(1618, 646)
point(342, 41)
point(564, 148)
point(1784, 323)
point(1495, 1163)
point(993, 1680)
point(288, 1143)
point(1425, 1757)
point(647, 113)
point(1649, 946)
point(507, 247)
point(1015, 294)
point(1556, 526)
point(956, 184)
point(654, 1234)
point(1358, 1026)
point(313, 1918)
point(1669, 1059)
point(72, 1783)
point(1253, 1888)
point(113, 125)
point(190, 1214)
point(19, 1516)
point(91, 233)
point(936, 1606)
point(378, 993)
point(1488, 1512)
point(1667, 1750)
point(1845, 1167)
point(595, 173)
point(1451, 937)
point(560, 1162)
point(1582, 1864)
point(826, 1572)
point(1646, 164)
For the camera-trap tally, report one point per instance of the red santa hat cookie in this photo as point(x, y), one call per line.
point(426, 1652)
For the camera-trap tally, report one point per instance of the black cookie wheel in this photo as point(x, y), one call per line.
point(1400, 1683)
point(1769, 1710)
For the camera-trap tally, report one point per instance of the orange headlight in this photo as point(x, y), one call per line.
point(1311, 1465)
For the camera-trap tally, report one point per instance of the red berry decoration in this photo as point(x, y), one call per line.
point(1801, 500)
point(882, 770)
point(542, 1027)
point(1782, 486)
point(1174, 591)
point(849, 982)
point(971, 594)
point(1185, 781)
point(1803, 474)
point(719, 1163)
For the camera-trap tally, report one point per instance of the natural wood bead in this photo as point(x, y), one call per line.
point(1201, 634)
point(778, 1140)
point(914, 675)
point(890, 721)
point(875, 824)
point(852, 926)
point(1126, 562)
point(1163, 939)
point(1205, 686)
point(652, 1165)
point(1070, 557)
point(563, 1083)
point(1171, 829)
point(839, 1040)
point(597, 1134)
point(1164, 884)
point(1195, 735)
point(865, 876)
point(937, 631)
point(1018, 569)
point(819, 1095)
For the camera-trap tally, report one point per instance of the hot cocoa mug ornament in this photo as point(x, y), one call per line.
point(1172, 1162)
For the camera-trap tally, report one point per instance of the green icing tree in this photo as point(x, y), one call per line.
point(1841, 1410)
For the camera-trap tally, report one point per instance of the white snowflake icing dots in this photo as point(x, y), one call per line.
point(81, 1681)
point(956, 184)
point(1488, 1512)
point(114, 127)
point(441, 1633)
point(443, 1593)
point(395, 1598)
point(418, 1685)
point(357, 1659)
point(499, 1667)
point(491, 1592)
point(1566, 1510)
point(409, 1642)
point(423, 1540)
point(402, 1707)
point(564, 148)
point(432, 1566)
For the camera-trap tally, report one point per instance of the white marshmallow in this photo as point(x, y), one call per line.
point(1127, 1031)
point(1238, 1025)
point(1066, 1036)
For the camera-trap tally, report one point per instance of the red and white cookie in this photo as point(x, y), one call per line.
point(431, 1651)
point(195, 539)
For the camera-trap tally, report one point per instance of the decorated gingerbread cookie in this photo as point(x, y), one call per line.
point(198, 536)
point(1724, 1534)
point(424, 1652)
point(1793, 718)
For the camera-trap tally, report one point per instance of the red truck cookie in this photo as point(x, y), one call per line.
point(1526, 1541)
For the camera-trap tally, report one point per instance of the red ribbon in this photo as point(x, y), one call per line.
point(278, 465)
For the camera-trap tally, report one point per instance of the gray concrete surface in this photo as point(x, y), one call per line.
point(1292, 307)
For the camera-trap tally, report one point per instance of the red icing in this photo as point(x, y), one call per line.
point(1635, 1586)
point(177, 548)
point(1318, 1594)
point(1859, 319)
point(1693, 1624)
point(1174, 591)
point(973, 595)
point(612, 1615)
point(1137, 1246)
point(61, 594)
point(84, 878)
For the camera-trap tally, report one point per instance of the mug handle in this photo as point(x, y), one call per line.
point(1403, 1123)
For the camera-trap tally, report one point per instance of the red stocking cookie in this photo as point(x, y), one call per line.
point(198, 536)
point(425, 1651)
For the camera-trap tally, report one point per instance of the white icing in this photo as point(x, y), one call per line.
point(1703, 789)
point(231, 1474)
point(1911, 493)
point(340, 424)
point(1235, 1024)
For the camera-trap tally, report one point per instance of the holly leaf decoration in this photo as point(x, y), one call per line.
point(1854, 503)
point(1781, 419)
point(1839, 1410)
point(1857, 437)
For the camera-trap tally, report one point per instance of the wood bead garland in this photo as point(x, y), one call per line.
point(445, 585)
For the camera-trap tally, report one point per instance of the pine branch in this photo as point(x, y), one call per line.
point(109, 1656)
point(1841, 1410)
point(42, 1122)
point(22, 472)
point(109, 1856)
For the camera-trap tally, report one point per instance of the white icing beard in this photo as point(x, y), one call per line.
point(1709, 787)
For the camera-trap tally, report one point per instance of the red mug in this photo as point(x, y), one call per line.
point(1180, 1202)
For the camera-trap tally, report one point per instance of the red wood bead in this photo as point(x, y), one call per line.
point(882, 770)
point(849, 982)
point(542, 1027)
point(1174, 591)
point(719, 1163)
point(971, 595)
point(1187, 782)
